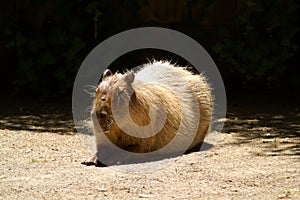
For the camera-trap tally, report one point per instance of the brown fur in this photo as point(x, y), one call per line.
point(117, 88)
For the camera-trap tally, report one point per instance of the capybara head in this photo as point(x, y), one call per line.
point(114, 89)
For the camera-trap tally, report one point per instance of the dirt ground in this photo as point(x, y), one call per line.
point(257, 156)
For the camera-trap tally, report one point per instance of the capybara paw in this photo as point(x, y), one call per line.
point(90, 161)
point(93, 161)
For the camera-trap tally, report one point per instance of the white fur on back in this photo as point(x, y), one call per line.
point(167, 75)
point(157, 71)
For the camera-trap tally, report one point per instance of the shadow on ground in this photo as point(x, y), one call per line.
point(276, 125)
point(37, 117)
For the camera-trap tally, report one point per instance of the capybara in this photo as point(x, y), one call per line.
point(142, 110)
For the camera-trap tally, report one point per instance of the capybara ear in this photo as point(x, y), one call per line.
point(129, 77)
point(107, 73)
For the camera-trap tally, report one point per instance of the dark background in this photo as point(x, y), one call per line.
point(255, 43)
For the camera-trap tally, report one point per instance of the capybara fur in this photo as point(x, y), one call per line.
point(180, 99)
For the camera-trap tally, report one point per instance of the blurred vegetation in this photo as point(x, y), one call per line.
point(261, 41)
point(43, 42)
point(48, 46)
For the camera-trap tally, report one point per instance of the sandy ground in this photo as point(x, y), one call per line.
point(256, 157)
